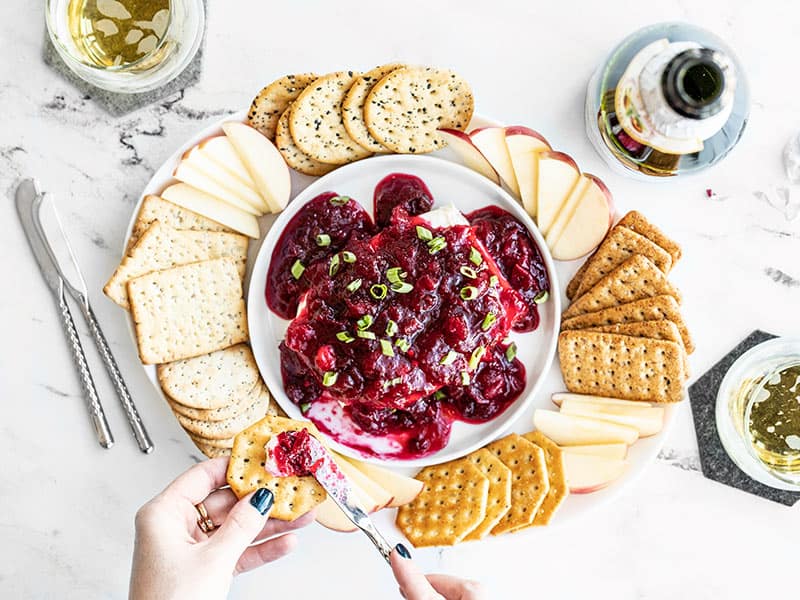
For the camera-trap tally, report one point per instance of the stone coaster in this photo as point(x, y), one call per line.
point(714, 461)
point(121, 104)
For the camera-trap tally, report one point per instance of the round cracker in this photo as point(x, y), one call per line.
point(212, 451)
point(274, 99)
point(293, 156)
point(316, 122)
point(405, 108)
point(234, 409)
point(353, 106)
point(220, 430)
point(226, 443)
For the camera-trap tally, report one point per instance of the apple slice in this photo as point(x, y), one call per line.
point(567, 210)
point(191, 175)
point(469, 153)
point(491, 141)
point(559, 397)
point(588, 224)
point(380, 495)
point(200, 162)
point(264, 163)
point(557, 175)
point(524, 146)
point(649, 420)
point(403, 489)
point(569, 430)
point(213, 208)
point(221, 151)
point(617, 451)
point(331, 516)
point(586, 473)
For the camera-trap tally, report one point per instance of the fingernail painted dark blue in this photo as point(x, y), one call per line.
point(262, 500)
point(402, 551)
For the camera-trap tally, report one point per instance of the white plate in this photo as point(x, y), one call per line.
point(449, 183)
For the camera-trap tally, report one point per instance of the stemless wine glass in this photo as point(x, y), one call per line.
point(170, 56)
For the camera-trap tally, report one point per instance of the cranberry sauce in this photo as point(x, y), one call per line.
point(400, 189)
point(320, 229)
point(292, 454)
point(517, 256)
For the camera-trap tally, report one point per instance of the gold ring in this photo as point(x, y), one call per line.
point(204, 522)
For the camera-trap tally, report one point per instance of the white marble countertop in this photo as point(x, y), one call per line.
point(66, 506)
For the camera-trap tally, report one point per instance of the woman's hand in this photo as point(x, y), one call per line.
point(173, 558)
point(414, 585)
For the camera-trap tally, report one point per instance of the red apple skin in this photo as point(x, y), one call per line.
point(456, 133)
point(522, 130)
point(555, 155)
point(460, 135)
point(474, 131)
point(589, 490)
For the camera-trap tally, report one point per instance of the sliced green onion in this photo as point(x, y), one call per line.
point(364, 322)
point(378, 291)
point(403, 344)
point(469, 292)
point(367, 335)
point(339, 200)
point(304, 407)
point(391, 328)
point(353, 285)
point(475, 358)
point(329, 378)
point(297, 269)
point(333, 268)
point(424, 234)
point(395, 274)
point(511, 352)
point(449, 358)
point(436, 244)
point(541, 297)
point(488, 321)
point(475, 257)
point(348, 257)
point(401, 287)
point(494, 281)
point(386, 348)
point(465, 378)
point(439, 395)
point(468, 272)
point(345, 337)
point(323, 240)
point(392, 382)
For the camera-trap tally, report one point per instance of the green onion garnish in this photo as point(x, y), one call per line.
point(386, 348)
point(395, 274)
point(323, 240)
point(364, 322)
point(339, 200)
point(436, 244)
point(464, 378)
point(391, 328)
point(333, 268)
point(541, 297)
point(401, 287)
point(475, 358)
point(348, 257)
point(353, 285)
point(469, 292)
point(475, 257)
point(494, 281)
point(424, 234)
point(297, 269)
point(468, 272)
point(488, 321)
point(403, 344)
point(345, 337)
point(304, 407)
point(378, 291)
point(511, 352)
point(392, 382)
point(449, 358)
point(439, 395)
point(367, 335)
point(329, 378)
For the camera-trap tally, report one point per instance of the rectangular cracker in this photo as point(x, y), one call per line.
point(155, 208)
point(452, 503)
point(635, 279)
point(620, 245)
point(187, 311)
point(636, 221)
point(294, 496)
point(556, 477)
point(529, 484)
point(657, 308)
point(656, 330)
point(575, 282)
point(620, 366)
point(499, 497)
point(162, 247)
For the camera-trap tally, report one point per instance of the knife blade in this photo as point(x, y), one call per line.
point(26, 195)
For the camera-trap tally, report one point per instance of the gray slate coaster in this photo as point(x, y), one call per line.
point(714, 461)
point(121, 104)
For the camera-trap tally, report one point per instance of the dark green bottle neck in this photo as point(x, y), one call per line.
point(694, 82)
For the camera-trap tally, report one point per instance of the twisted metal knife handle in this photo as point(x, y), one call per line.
point(96, 413)
point(135, 421)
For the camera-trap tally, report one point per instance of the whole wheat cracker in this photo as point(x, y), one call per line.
point(353, 106)
point(656, 308)
point(575, 282)
point(273, 100)
point(188, 310)
point(221, 430)
point(636, 221)
point(451, 504)
point(498, 500)
point(529, 483)
point(620, 366)
point(556, 477)
point(155, 208)
point(656, 330)
point(635, 279)
point(293, 156)
point(293, 496)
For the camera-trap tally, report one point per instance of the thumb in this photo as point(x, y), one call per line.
point(243, 523)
